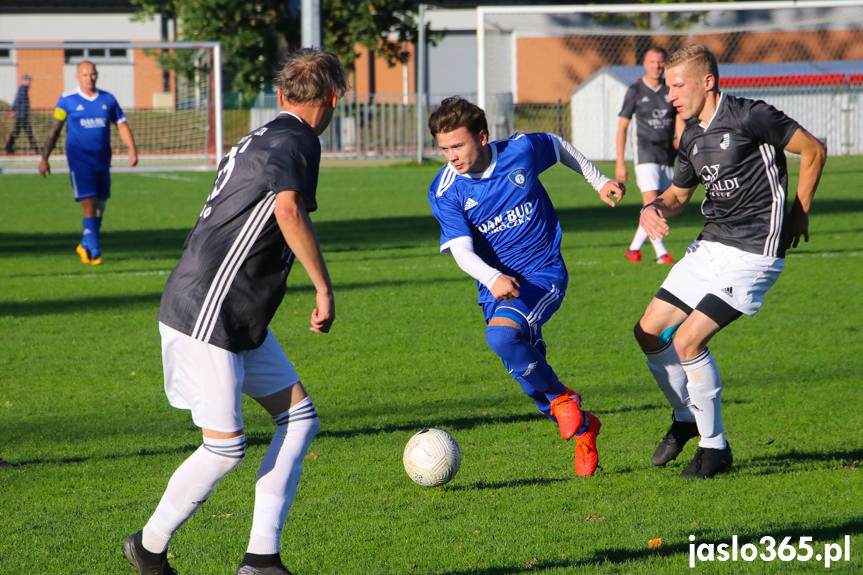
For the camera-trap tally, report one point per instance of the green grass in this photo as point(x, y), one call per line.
point(83, 415)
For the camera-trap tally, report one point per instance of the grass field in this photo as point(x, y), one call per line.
point(84, 417)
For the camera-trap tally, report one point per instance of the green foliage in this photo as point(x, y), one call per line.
point(84, 417)
point(382, 26)
point(256, 35)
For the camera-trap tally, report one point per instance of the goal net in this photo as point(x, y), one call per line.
point(538, 65)
point(169, 92)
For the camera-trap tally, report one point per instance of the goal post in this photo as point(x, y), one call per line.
point(175, 113)
point(537, 64)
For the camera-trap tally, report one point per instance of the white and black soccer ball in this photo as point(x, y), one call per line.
point(432, 457)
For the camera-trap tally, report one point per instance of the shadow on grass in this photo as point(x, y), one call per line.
point(478, 485)
point(463, 423)
point(78, 305)
point(91, 303)
point(793, 460)
point(620, 556)
point(359, 234)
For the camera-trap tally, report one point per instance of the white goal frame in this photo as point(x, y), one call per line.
point(205, 161)
point(500, 30)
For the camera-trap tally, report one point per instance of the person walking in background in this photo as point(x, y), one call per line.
point(20, 110)
point(89, 113)
point(654, 143)
point(216, 308)
point(735, 148)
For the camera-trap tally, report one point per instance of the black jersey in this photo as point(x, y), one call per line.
point(231, 276)
point(654, 123)
point(740, 160)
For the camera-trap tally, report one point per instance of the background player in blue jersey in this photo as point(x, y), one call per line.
point(657, 127)
point(499, 224)
point(89, 113)
point(734, 147)
point(215, 313)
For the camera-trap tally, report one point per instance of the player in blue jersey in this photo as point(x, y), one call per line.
point(89, 113)
point(735, 148)
point(499, 224)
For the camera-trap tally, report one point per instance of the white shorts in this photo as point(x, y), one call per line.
point(210, 381)
point(653, 177)
point(740, 279)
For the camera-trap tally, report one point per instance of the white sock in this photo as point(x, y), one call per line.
point(669, 374)
point(705, 389)
point(191, 485)
point(659, 248)
point(638, 240)
point(279, 475)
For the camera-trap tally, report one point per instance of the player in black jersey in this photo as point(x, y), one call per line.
point(735, 148)
point(657, 127)
point(216, 308)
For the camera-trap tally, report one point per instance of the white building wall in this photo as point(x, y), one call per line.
point(76, 28)
point(114, 77)
point(594, 108)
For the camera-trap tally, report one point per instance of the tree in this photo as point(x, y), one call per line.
point(255, 34)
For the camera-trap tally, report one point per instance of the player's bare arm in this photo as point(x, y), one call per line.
point(293, 219)
point(813, 156)
point(669, 203)
point(620, 171)
point(129, 140)
point(56, 127)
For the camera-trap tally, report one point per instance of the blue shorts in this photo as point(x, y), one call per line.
point(88, 183)
point(539, 297)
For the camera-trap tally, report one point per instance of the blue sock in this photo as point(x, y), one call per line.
point(90, 240)
point(526, 364)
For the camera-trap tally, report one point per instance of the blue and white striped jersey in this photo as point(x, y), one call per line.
point(231, 276)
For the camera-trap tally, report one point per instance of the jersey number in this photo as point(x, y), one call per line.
point(227, 169)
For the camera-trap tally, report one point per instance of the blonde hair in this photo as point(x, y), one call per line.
point(702, 61)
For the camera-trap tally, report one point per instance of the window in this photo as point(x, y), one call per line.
point(73, 55)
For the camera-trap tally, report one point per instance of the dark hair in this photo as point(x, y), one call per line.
point(311, 75)
point(702, 60)
point(456, 112)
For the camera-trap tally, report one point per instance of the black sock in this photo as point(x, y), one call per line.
point(145, 553)
point(255, 560)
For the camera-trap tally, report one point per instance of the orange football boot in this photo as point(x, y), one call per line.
point(586, 456)
point(566, 409)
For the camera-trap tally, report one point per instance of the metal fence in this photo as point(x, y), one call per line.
point(385, 125)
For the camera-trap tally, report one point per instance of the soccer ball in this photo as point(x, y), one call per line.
point(432, 457)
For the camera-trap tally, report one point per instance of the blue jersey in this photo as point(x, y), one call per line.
point(88, 128)
point(505, 210)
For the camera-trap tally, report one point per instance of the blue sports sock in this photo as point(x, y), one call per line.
point(526, 364)
point(90, 240)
